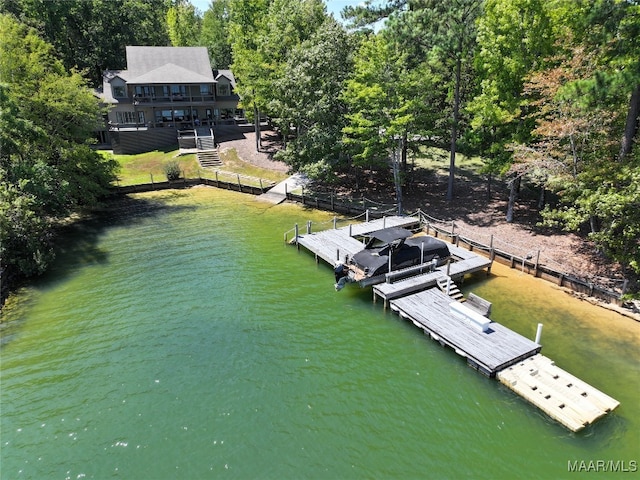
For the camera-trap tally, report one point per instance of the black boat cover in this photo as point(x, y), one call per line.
point(405, 252)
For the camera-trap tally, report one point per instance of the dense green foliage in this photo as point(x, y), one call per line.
point(47, 169)
point(92, 35)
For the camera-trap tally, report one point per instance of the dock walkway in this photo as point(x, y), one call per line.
point(467, 262)
point(486, 351)
point(334, 244)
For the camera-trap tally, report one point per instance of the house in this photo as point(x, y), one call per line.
point(166, 94)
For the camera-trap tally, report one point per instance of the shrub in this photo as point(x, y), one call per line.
point(172, 170)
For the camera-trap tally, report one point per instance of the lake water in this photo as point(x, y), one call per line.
point(177, 336)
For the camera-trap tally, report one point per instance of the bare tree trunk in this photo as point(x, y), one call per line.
point(631, 126)
point(454, 130)
point(513, 195)
point(256, 122)
point(542, 197)
point(404, 152)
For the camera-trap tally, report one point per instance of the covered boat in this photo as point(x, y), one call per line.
point(393, 249)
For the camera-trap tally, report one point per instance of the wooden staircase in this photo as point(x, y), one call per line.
point(453, 290)
point(208, 158)
point(207, 153)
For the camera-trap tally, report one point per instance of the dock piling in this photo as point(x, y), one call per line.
point(538, 334)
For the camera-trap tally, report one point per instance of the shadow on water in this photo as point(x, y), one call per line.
point(78, 245)
point(80, 241)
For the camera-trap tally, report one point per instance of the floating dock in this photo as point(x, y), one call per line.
point(559, 394)
point(489, 347)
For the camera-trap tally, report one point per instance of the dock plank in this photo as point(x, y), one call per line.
point(491, 351)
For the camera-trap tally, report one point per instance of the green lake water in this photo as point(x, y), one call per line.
point(177, 336)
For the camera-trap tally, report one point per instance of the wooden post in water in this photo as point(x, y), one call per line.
point(296, 237)
point(491, 255)
point(335, 222)
point(261, 188)
point(538, 334)
point(308, 227)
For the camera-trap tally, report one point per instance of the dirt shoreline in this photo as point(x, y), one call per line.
point(478, 216)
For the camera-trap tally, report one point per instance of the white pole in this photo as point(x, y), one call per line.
point(539, 333)
point(448, 285)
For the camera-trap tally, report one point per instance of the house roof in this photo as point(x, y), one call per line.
point(153, 64)
point(170, 73)
point(227, 74)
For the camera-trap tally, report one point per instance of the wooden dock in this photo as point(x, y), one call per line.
point(466, 262)
point(487, 351)
point(556, 392)
point(335, 244)
point(488, 347)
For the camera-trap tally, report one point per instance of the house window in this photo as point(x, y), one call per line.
point(143, 91)
point(178, 91)
point(205, 89)
point(118, 91)
point(129, 117)
point(223, 90)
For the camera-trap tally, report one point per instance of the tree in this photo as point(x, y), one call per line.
point(264, 33)
point(514, 39)
point(91, 35)
point(215, 34)
point(47, 169)
point(308, 101)
point(384, 100)
point(246, 26)
point(586, 125)
point(183, 23)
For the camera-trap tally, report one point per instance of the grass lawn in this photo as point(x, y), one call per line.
point(137, 169)
point(436, 160)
